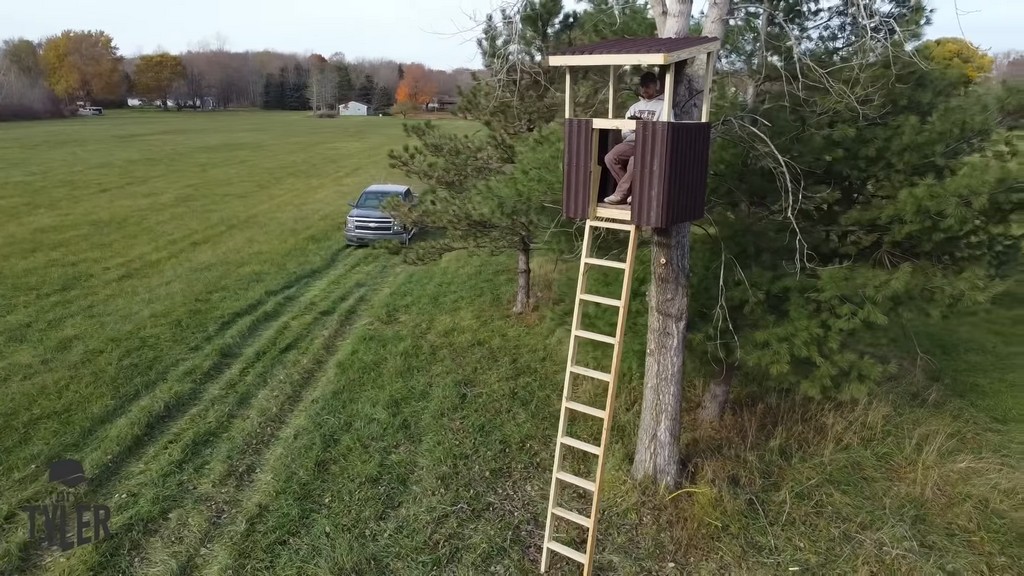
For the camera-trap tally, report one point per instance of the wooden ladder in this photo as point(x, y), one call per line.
point(559, 476)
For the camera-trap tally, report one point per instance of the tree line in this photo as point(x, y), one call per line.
point(47, 78)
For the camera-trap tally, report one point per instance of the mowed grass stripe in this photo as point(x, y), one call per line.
point(238, 465)
point(339, 499)
point(179, 444)
point(210, 356)
point(295, 467)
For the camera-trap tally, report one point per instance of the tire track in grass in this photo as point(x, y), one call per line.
point(177, 548)
point(211, 355)
point(299, 457)
point(187, 430)
point(170, 470)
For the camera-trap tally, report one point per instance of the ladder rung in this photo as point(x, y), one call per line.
point(608, 263)
point(601, 300)
point(584, 408)
point(581, 445)
point(595, 336)
point(608, 224)
point(570, 515)
point(592, 373)
point(566, 551)
point(582, 483)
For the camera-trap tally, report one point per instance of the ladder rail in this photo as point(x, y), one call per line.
point(620, 329)
point(570, 361)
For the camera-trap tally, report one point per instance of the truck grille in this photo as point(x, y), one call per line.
point(373, 225)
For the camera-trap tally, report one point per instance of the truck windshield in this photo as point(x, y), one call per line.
point(373, 199)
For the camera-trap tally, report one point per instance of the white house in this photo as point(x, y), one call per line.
point(353, 109)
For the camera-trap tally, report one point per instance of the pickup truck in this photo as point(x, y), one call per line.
point(367, 222)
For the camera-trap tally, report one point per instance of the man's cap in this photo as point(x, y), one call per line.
point(68, 472)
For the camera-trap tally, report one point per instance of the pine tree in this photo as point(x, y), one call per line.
point(296, 98)
point(383, 99)
point(273, 94)
point(346, 89)
point(366, 90)
point(512, 212)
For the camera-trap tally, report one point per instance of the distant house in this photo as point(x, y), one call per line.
point(442, 104)
point(1015, 70)
point(353, 109)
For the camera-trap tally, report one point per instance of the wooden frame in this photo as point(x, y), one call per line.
point(632, 59)
point(612, 74)
point(709, 73)
point(569, 97)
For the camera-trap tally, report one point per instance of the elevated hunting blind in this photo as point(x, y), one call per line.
point(669, 186)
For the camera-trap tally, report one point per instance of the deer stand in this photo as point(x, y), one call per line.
point(669, 186)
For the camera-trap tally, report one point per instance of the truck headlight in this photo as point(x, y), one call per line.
point(396, 226)
point(348, 224)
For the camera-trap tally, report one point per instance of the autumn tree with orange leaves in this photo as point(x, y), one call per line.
point(416, 86)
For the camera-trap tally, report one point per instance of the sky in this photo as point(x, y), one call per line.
point(441, 35)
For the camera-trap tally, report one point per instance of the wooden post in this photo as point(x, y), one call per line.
point(670, 88)
point(568, 92)
point(709, 72)
point(611, 91)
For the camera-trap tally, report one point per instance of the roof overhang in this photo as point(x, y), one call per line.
point(638, 51)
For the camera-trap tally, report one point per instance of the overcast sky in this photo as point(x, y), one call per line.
point(441, 36)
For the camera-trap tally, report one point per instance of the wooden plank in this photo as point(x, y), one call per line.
point(591, 373)
point(580, 444)
point(566, 551)
point(595, 336)
point(658, 59)
point(585, 409)
point(709, 73)
point(606, 263)
point(570, 515)
point(613, 124)
point(601, 300)
point(613, 212)
point(670, 90)
point(612, 225)
point(620, 329)
point(576, 481)
point(568, 93)
point(611, 91)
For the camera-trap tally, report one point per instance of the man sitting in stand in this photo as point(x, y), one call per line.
point(620, 158)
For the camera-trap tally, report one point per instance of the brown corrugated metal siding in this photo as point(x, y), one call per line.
point(577, 163)
point(670, 172)
point(637, 46)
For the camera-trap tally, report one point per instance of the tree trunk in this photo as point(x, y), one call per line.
point(523, 290)
point(657, 443)
point(713, 405)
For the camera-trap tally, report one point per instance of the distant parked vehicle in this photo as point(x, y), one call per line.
point(90, 111)
point(367, 222)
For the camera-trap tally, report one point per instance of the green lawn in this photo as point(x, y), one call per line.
point(249, 396)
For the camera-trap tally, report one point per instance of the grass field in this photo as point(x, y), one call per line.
point(249, 396)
